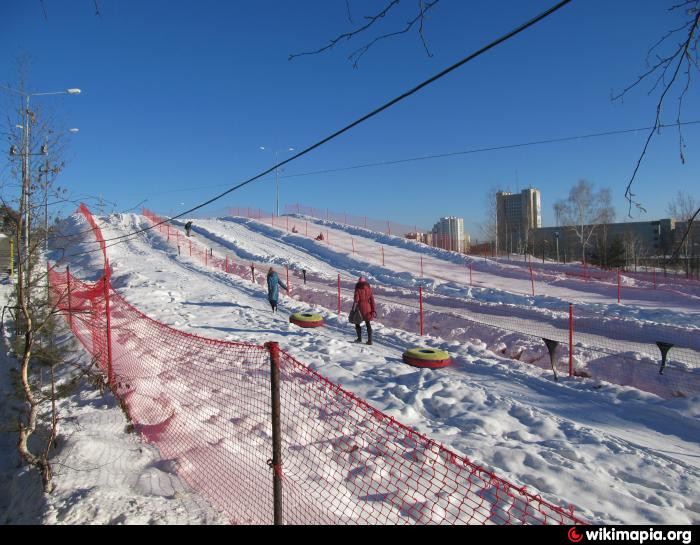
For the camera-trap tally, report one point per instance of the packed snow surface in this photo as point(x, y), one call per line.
point(619, 454)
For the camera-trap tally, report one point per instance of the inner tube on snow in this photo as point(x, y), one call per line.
point(306, 319)
point(426, 357)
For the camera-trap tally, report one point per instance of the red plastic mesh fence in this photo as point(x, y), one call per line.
point(205, 404)
point(383, 226)
point(618, 350)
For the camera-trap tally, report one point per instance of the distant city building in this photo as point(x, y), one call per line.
point(448, 234)
point(648, 238)
point(425, 238)
point(517, 214)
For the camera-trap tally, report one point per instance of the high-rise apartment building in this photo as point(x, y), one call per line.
point(517, 215)
point(448, 234)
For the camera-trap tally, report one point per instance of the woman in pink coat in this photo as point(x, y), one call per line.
point(364, 302)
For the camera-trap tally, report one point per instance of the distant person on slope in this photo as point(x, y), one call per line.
point(273, 283)
point(188, 228)
point(364, 302)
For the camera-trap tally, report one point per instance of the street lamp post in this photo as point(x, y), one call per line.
point(25, 158)
point(277, 181)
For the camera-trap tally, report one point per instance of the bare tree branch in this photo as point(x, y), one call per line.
point(681, 60)
point(356, 55)
point(423, 7)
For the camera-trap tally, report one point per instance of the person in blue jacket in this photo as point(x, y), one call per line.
point(273, 281)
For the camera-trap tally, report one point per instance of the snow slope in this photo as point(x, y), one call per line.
point(618, 454)
point(507, 328)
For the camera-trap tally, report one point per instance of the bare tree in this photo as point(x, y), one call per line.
point(684, 208)
point(417, 21)
point(489, 227)
point(669, 72)
point(559, 208)
point(585, 210)
point(35, 323)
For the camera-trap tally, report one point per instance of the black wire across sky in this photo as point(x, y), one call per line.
point(336, 134)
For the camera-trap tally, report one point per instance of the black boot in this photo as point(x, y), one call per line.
point(359, 334)
point(369, 334)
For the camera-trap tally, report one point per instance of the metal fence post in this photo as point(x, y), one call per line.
point(276, 462)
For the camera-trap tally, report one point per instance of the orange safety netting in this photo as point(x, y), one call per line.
point(205, 404)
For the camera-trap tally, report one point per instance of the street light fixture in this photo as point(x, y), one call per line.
point(25, 153)
point(277, 181)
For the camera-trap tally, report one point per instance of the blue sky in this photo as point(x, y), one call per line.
point(179, 96)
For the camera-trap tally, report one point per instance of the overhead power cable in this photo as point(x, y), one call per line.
point(446, 155)
point(373, 113)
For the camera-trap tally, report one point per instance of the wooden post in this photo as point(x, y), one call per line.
point(339, 310)
point(470, 275)
point(276, 462)
point(252, 272)
point(382, 247)
point(618, 286)
point(353, 245)
point(288, 288)
point(532, 282)
point(110, 371)
point(70, 308)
